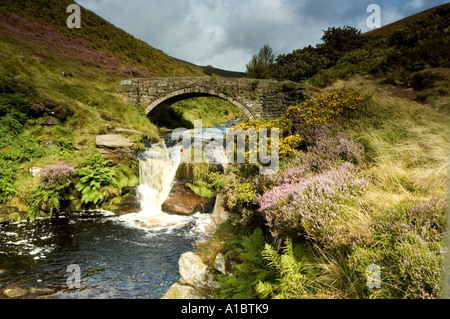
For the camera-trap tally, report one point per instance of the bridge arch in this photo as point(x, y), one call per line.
point(157, 106)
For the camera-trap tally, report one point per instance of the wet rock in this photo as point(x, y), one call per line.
point(9, 210)
point(185, 172)
point(51, 121)
point(183, 201)
point(195, 273)
point(129, 204)
point(180, 291)
point(41, 291)
point(14, 292)
point(10, 214)
point(113, 141)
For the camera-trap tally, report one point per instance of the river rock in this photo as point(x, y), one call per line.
point(10, 214)
point(195, 273)
point(41, 291)
point(14, 292)
point(179, 291)
point(183, 201)
point(185, 172)
point(113, 141)
point(129, 204)
point(224, 266)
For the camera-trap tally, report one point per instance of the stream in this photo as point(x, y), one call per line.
point(133, 256)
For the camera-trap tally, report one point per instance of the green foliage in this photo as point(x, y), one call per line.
point(53, 192)
point(125, 176)
point(206, 184)
point(338, 41)
point(296, 272)
point(300, 64)
point(260, 66)
point(94, 179)
point(46, 200)
point(7, 178)
point(16, 145)
point(252, 269)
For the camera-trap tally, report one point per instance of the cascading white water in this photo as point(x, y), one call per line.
point(157, 169)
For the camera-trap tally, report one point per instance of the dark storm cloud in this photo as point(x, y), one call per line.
point(226, 33)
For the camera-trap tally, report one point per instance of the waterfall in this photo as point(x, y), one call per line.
point(157, 169)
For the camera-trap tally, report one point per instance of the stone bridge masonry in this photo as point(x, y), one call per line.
point(258, 99)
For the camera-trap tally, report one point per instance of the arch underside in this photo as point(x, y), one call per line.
point(157, 107)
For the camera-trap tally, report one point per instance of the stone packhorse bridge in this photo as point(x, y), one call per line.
point(258, 99)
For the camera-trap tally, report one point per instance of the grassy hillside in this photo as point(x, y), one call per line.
point(398, 51)
point(366, 189)
point(97, 35)
point(370, 188)
point(400, 23)
point(58, 91)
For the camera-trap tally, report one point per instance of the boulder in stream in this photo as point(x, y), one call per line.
point(183, 201)
point(14, 292)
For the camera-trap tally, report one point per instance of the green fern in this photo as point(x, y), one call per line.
point(252, 269)
point(48, 200)
point(295, 274)
point(94, 179)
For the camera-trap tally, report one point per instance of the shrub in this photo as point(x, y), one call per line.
point(59, 175)
point(325, 109)
point(408, 249)
point(332, 145)
point(53, 192)
point(7, 178)
point(310, 207)
point(94, 179)
point(288, 144)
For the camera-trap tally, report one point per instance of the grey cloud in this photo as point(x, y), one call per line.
point(226, 33)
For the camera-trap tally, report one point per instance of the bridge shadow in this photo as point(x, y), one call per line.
point(172, 119)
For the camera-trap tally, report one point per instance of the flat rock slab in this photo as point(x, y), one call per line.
point(113, 141)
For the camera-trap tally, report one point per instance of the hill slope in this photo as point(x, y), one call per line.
point(95, 35)
point(402, 23)
point(58, 92)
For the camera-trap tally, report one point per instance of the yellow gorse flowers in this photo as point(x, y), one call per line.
point(325, 108)
point(288, 143)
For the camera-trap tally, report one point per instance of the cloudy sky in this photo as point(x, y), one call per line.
point(227, 33)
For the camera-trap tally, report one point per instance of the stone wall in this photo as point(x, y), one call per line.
point(256, 98)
